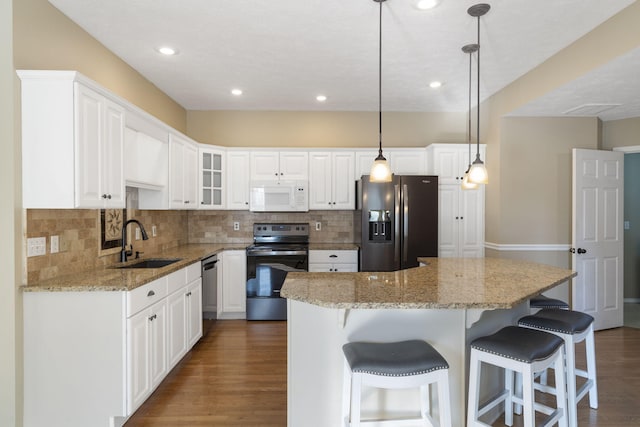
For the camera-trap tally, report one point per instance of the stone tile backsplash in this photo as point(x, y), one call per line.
point(79, 233)
point(79, 238)
point(217, 226)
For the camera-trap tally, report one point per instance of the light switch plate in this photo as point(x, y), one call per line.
point(55, 244)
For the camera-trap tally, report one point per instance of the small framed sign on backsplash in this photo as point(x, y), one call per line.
point(111, 222)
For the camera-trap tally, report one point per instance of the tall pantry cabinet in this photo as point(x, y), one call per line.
point(460, 212)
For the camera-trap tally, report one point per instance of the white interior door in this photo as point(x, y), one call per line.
point(598, 190)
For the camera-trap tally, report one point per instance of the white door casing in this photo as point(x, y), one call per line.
point(597, 235)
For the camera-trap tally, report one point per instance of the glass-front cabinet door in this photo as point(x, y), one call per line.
point(211, 178)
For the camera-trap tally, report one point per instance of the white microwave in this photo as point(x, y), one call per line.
point(279, 196)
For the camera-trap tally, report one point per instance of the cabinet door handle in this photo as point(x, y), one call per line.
point(188, 294)
point(104, 196)
point(109, 196)
point(333, 256)
point(150, 293)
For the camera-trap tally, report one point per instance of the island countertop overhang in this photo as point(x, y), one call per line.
point(442, 283)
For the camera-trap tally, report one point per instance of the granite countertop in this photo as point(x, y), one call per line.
point(126, 279)
point(454, 283)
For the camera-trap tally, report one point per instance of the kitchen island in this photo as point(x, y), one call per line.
point(447, 302)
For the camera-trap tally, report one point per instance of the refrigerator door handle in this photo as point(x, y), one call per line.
point(405, 224)
point(396, 243)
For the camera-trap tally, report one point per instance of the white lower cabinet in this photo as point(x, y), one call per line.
point(232, 289)
point(333, 261)
point(147, 355)
point(93, 357)
point(460, 222)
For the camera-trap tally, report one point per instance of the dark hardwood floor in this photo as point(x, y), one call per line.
point(237, 376)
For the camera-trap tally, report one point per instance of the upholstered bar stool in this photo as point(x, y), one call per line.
point(395, 365)
point(573, 327)
point(525, 352)
point(542, 301)
point(538, 303)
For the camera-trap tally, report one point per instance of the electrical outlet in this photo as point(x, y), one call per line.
point(137, 233)
point(36, 246)
point(318, 226)
point(236, 226)
point(627, 226)
point(154, 230)
point(55, 244)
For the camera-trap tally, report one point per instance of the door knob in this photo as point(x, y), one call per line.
point(582, 251)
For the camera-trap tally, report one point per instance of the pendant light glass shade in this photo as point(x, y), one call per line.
point(478, 171)
point(380, 170)
point(468, 185)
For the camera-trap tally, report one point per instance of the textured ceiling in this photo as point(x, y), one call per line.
point(282, 53)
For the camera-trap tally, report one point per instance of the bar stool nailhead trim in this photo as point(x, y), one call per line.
point(521, 350)
point(395, 365)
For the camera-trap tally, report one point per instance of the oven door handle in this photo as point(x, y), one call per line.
point(275, 253)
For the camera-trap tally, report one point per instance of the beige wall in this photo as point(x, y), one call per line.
point(46, 39)
point(537, 208)
point(10, 230)
point(323, 129)
point(615, 37)
point(621, 133)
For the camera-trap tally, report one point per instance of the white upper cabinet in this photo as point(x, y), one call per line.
point(402, 161)
point(211, 178)
point(332, 180)
point(407, 161)
point(72, 143)
point(237, 185)
point(183, 170)
point(450, 161)
point(276, 165)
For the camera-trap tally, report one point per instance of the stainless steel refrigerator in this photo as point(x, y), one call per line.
point(399, 222)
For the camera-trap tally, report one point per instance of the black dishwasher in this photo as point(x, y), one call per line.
point(210, 287)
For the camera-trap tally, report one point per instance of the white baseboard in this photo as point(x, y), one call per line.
point(528, 247)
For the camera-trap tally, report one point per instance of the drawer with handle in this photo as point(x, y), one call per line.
point(338, 256)
point(143, 296)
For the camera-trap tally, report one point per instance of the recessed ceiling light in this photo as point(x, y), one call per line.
point(166, 50)
point(426, 4)
point(321, 98)
point(236, 92)
point(435, 84)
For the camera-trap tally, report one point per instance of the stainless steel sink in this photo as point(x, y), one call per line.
point(152, 263)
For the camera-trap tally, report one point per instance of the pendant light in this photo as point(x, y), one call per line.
point(478, 171)
point(466, 184)
point(380, 170)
